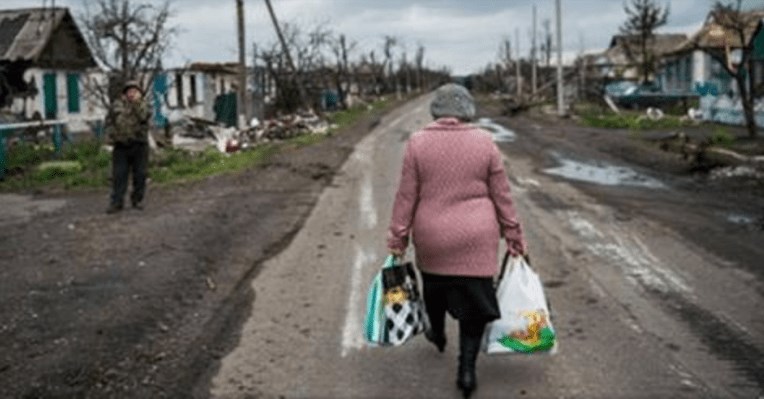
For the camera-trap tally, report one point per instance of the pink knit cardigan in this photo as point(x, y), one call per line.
point(454, 199)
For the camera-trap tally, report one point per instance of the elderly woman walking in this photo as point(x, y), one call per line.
point(453, 202)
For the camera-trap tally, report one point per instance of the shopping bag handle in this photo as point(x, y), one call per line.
point(506, 260)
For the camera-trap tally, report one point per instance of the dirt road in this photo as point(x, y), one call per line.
point(643, 309)
point(220, 290)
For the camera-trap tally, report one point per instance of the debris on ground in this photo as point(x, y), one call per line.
point(654, 114)
point(197, 134)
point(735, 171)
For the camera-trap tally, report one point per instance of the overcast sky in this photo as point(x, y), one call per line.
point(461, 34)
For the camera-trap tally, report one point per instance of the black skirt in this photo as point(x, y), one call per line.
point(464, 298)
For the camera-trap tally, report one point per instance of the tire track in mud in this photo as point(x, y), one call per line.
point(723, 339)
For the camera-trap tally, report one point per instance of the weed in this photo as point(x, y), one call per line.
point(722, 137)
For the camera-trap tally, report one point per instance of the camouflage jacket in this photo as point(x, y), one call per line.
point(129, 122)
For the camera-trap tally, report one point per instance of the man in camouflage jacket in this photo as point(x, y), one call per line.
point(128, 130)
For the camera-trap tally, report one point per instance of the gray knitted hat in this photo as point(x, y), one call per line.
point(453, 100)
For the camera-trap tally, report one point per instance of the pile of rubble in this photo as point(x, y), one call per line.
point(196, 134)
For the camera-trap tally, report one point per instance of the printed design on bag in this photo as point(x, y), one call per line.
point(395, 295)
point(537, 334)
point(403, 306)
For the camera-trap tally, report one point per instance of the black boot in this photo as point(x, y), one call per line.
point(469, 347)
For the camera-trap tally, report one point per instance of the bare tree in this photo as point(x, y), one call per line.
point(286, 53)
point(419, 62)
point(546, 45)
point(737, 27)
point(643, 18)
point(506, 60)
point(341, 49)
point(387, 48)
point(129, 40)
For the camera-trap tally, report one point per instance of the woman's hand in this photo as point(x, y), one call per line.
point(397, 252)
point(517, 248)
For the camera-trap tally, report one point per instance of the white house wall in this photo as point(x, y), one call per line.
point(700, 66)
point(208, 87)
point(90, 108)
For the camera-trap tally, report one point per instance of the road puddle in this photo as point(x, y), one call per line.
point(601, 173)
point(746, 221)
point(740, 219)
point(500, 133)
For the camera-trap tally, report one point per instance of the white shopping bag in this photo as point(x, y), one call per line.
point(525, 325)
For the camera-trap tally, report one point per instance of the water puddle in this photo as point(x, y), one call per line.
point(600, 173)
point(740, 219)
point(500, 133)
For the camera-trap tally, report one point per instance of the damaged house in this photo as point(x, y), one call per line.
point(44, 62)
point(690, 67)
point(620, 60)
point(205, 91)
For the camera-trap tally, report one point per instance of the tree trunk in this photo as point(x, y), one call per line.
point(746, 98)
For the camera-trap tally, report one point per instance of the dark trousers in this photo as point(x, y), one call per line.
point(471, 327)
point(129, 158)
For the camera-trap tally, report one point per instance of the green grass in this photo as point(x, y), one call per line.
point(629, 121)
point(167, 166)
point(179, 166)
point(722, 137)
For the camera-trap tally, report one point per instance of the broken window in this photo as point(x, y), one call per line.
point(192, 83)
point(179, 89)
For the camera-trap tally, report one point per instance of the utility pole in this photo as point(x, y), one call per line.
point(243, 100)
point(533, 54)
point(517, 68)
point(258, 77)
point(303, 94)
point(560, 100)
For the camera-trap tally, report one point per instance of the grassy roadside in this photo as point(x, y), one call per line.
point(86, 165)
point(595, 116)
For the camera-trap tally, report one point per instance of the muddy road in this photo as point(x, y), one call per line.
point(253, 285)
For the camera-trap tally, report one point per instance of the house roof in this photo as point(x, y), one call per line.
point(660, 44)
point(713, 34)
point(215, 67)
point(26, 33)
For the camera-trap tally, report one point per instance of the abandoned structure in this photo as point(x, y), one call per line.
point(44, 66)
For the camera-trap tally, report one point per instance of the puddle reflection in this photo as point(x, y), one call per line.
point(604, 174)
point(500, 133)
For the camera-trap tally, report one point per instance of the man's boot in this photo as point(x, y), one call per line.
point(469, 347)
point(114, 208)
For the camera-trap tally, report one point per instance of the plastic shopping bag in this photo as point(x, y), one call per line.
point(394, 306)
point(525, 325)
